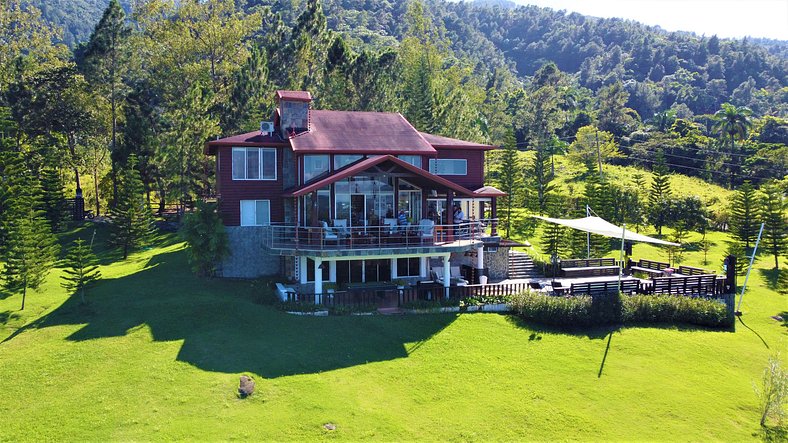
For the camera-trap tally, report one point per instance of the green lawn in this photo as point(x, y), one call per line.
point(157, 355)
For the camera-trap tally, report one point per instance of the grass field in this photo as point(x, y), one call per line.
point(157, 353)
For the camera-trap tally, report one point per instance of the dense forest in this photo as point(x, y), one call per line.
point(130, 103)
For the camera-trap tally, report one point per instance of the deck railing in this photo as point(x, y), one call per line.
point(279, 236)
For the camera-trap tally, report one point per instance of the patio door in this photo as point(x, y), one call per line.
point(358, 209)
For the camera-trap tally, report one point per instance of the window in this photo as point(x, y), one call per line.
point(449, 166)
point(341, 161)
point(254, 164)
point(415, 160)
point(408, 267)
point(255, 212)
point(314, 166)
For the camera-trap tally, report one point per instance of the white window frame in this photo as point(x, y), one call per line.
point(260, 157)
point(414, 160)
point(256, 222)
point(323, 157)
point(435, 165)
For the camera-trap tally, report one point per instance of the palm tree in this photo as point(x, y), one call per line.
point(663, 120)
point(734, 122)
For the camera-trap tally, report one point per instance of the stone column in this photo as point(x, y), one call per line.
point(446, 275)
point(393, 269)
point(302, 269)
point(332, 271)
point(318, 280)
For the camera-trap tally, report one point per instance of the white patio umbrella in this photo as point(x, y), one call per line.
point(600, 226)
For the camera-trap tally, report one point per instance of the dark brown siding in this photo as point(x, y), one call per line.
point(231, 191)
point(475, 178)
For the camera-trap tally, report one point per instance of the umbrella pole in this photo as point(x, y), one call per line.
point(621, 256)
point(588, 235)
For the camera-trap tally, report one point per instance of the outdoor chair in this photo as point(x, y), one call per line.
point(456, 276)
point(341, 226)
point(426, 229)
point(391, 223)
point(328, 233)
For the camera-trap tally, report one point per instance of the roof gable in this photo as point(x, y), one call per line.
point(360, 133)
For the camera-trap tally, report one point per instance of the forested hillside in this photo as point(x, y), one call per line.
point(153, 83)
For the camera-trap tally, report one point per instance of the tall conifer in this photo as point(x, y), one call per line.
point(30, 248)
point(659, 195)
point(81, 269)
point(131, 223)
point(745, 214)
point(775, 232)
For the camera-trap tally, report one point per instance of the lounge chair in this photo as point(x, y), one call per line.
point(426, 230)
point(341, 226)
point(328, 233)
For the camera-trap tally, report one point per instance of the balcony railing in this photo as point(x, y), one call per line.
point(289, 237)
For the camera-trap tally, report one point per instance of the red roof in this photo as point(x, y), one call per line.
point(348, 132)
point(294, 96)
point(365, 164)
point(249, 139)
point(489, 191)
point(446, 142)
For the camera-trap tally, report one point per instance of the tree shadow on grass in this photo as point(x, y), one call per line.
point(224, 330)
point(7, 316)
point(776, 279)
point(106, 253)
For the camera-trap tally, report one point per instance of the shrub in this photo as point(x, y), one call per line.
point(296, 306)
point(773, 392)
point(675, 309)
point(584, 310)
point(351, 309)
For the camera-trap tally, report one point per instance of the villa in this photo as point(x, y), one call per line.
point(355, 197)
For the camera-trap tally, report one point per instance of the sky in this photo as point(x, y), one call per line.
point(725, 18)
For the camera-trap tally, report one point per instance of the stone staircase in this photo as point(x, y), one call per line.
point(522, 266)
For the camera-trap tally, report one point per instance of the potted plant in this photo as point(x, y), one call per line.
point(331, 287)
point(400, 283)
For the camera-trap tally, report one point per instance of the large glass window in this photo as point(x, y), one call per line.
point(409, 201)
point(317, 211)
point(365, 201)
point(408, 267)
point(449, 166)
point(254, 164)
point(255, 212)
point(314, 166)
point(340, 161)
point(415, 160)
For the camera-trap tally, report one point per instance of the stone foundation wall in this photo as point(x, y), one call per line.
point(248, 258)
point(497, 263)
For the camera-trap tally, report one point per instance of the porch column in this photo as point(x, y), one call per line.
point(318, 280)
point(450, 215)
point(480, 262)
point(393, 269)
point(332, 271)
point(302, 269)
point(494, 215)
point(423, 267)
point(446, 275)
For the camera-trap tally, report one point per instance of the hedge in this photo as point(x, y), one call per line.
point(584, 310)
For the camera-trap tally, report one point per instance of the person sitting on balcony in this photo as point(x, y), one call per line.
point(372, 218)
point(402, 218)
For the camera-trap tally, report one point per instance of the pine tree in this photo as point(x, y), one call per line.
point(659, 195)
point(510, 176)
point(30, 248)
point(204, 231)
point(775, 232)
point(597, 197)
point(745, 214)
point(540, 178)
point(131, 223)
point(54, 199)
point(81, 269)
point(102, 61)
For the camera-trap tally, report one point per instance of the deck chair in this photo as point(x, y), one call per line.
point(328, 233)
point(391, 223)
point(456, 276)
point(426, 229)
point(341, 226)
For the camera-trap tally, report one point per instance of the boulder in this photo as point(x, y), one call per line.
point(246, 387)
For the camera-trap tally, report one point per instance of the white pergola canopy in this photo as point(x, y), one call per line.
point(600, 226)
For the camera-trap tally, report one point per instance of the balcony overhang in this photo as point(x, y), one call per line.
point(419, 176)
